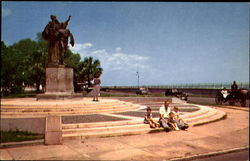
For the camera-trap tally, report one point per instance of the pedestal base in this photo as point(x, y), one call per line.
point(59, 80)
point(59, 83)
point(53, 130)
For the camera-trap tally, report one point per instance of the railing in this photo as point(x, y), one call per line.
point(196, 86)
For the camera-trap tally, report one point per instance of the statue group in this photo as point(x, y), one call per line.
point(57, 34)
point(59, 79)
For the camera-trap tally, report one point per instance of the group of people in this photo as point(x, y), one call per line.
point(225, 93)
point(169, 118)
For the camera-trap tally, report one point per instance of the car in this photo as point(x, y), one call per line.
point(105, 89)
point(142, 91)
point(177, 93)
point(183, 96)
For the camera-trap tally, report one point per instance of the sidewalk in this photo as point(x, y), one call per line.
point(232, 132)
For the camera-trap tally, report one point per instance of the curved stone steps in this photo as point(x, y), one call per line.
point(218, 116)
point(63, 109)
point(33, 101)
point(66, 106)
point(82, 112)
point(208, 114)
point(104, 129)
point(137, 120)
point(101, 124)
point(105, 107)
point(195, 114)
point(10, 109)
point(108, 133)
point(152, 104)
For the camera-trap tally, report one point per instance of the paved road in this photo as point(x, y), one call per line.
point(235, 156)
point(200, 100)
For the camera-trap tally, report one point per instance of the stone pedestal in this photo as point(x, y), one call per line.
point(53, 130)
point(59, 83)
point(59, 80)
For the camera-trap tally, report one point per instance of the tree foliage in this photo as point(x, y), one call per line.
point(88, 68)
point(9, 74)
point(23, 64)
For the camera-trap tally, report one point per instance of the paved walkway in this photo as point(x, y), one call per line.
point(232, 132)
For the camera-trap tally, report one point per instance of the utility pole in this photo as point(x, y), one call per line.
point(137, 73)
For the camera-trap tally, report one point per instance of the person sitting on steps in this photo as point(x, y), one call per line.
point(172, 123)
point(164, 114)
point(148, 119)
point(180, 122)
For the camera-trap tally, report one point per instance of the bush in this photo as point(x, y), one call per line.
point(16, 136)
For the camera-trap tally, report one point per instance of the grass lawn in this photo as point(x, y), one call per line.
point(16, 136)
point(21, 95)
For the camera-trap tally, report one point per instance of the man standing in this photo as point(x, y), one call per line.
point(234, 86)
point(164, 114)
point(234, 89)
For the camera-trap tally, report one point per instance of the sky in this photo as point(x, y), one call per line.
point(165, 42)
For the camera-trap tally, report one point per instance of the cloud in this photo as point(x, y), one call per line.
point(80, 47)
point(6, 12)
point(119, 60)
point(118, 49)
point(111, 61)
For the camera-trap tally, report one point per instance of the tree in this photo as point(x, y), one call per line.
point(8, 65)
point(39, 61)
point(31, 57)
point(15, 73)
point(87, 68)
point(72, 60)
point(24, 63)
point(23, 52)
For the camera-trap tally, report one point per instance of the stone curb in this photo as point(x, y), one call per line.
point(200, 156)
point(236, 108)
point(211, 121)
point(23, 143)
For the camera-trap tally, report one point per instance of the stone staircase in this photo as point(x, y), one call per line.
point(205, 115)
point(42, 109)
point(135, 124)
point(105, 130)
point(130, 125)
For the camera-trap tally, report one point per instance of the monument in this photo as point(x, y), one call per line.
point(59, 79)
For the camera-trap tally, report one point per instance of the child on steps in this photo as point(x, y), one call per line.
point(148, 119)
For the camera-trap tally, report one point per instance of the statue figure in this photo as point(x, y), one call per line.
point(57, 34)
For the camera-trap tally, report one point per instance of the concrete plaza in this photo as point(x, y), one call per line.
point(228, 134)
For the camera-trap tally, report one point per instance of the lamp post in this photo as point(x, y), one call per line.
point(137, 73)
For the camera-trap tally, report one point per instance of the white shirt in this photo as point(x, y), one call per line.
point(224, 93)
point(164, 112)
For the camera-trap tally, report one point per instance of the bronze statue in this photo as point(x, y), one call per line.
point(57, 34)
